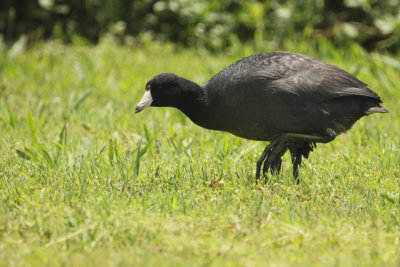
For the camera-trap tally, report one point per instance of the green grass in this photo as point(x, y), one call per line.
point(85, 182)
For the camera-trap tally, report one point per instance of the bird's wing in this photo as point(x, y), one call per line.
point(325, 81)
point(312, 80)
point(289, 75)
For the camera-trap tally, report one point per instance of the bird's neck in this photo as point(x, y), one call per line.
point(195, 104)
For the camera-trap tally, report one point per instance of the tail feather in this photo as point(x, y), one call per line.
point(376, 109)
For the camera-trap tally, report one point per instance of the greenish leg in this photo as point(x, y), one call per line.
point(275, 150)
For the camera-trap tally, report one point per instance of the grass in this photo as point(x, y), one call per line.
point(85, 182)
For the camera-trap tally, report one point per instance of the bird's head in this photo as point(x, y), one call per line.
point(166, 90)
point(162, 90)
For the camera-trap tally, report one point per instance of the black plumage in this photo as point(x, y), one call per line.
point(292, 100)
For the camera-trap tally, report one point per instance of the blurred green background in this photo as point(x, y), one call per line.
point(374, 24)
point(85, 182)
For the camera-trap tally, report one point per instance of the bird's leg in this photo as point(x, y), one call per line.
point(275, 166)
point(260, 161)
point(273, 160)
point(273, 152)
point(292, 138)
point(296, 160)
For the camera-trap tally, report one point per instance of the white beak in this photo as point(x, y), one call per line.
point(146, 101)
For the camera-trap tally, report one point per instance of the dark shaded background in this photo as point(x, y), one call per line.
point(374, 24)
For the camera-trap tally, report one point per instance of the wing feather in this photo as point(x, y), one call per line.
point(284, 73)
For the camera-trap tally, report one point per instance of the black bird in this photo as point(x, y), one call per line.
point(292, 100)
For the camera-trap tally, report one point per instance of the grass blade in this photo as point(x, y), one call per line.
point(137, 161)
point(23, 155)
point(62, 138)
point(11, 115)
point(81, 99)
point(31, 128)
point(110, 151)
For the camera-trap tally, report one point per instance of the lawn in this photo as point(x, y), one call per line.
point(86, 182)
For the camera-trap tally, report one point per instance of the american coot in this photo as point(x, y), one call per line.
point(292, 100)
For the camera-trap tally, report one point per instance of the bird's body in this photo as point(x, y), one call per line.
point(270, 96)
point(284, 92)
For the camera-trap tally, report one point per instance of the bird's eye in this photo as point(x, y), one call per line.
point(159, 88)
